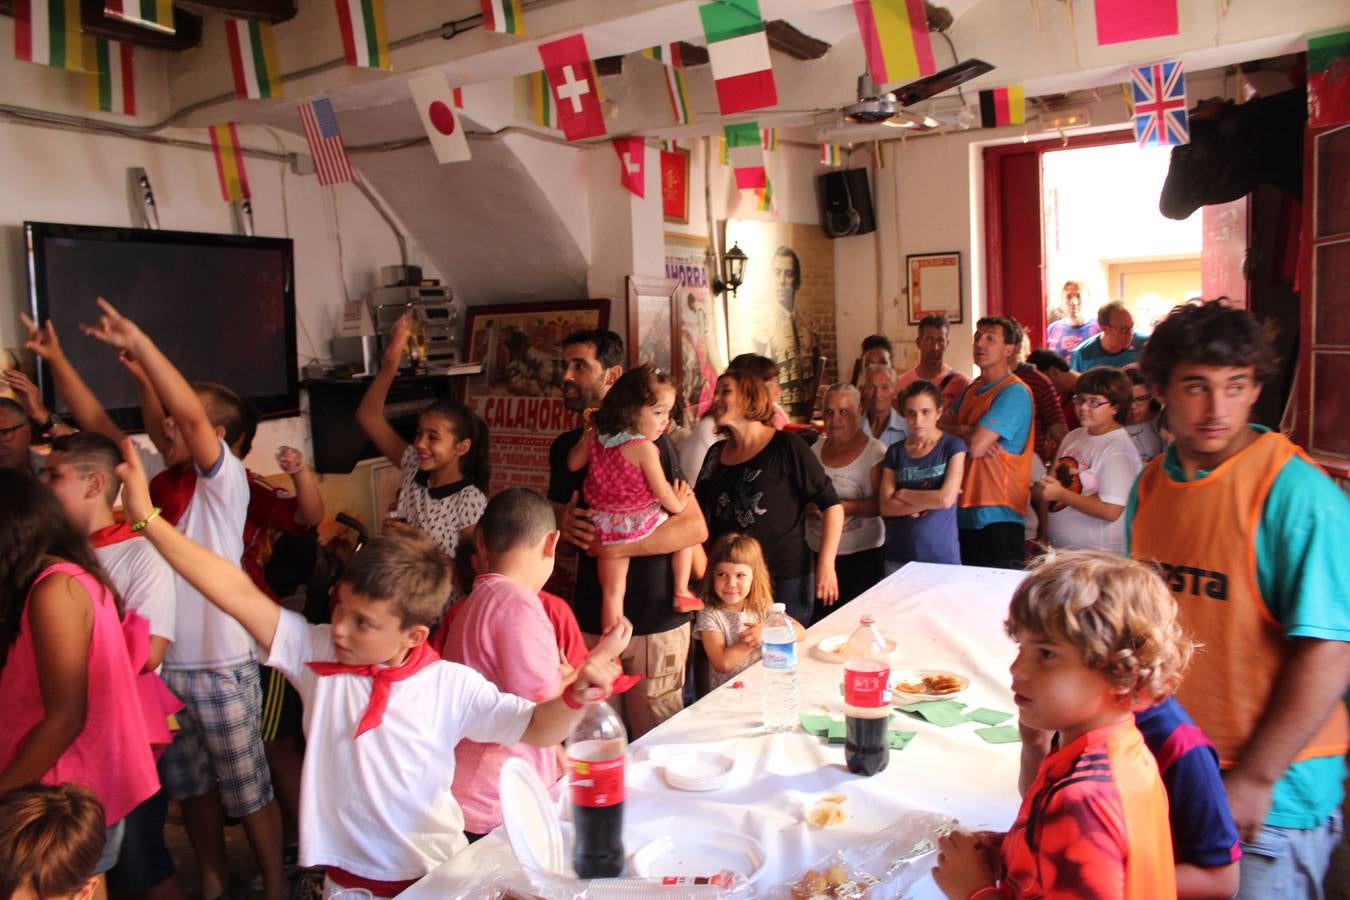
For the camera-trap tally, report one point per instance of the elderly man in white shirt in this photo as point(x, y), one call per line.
point(878, 393)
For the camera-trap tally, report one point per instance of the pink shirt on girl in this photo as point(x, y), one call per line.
point(111, 755)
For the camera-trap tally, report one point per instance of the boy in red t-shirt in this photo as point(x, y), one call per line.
point(1098, 639)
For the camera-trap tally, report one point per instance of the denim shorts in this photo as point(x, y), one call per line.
point(112, 846)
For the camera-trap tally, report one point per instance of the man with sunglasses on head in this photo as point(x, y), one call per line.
point(1117, 345)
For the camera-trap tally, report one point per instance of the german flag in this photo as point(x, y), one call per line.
point(1003, 106)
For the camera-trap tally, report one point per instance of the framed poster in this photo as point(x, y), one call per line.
point(934, 285)
point(651, 323)
point(519, 393)
point(697, 317)
point(675, 185)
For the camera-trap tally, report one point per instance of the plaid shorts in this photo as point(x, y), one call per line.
point(218, 745)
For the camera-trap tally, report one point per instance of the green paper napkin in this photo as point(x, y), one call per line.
point(817, 725)
point(838, 732)
point(898, 740)
point(943, 713)
point(988, 716)
point(1001, 734)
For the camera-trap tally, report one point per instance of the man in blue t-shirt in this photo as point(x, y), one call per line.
point(1117, 345)
point(1065, 334)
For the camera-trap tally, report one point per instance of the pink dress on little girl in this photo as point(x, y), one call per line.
point(623, 507)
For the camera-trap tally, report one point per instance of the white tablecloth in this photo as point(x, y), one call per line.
point(942, 617)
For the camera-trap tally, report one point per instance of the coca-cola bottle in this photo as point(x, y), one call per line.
point(867, 700)
point(595, 771)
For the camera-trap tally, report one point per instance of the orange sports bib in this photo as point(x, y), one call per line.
point(1001, 478)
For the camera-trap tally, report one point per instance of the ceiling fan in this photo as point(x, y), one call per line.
point(889, 107)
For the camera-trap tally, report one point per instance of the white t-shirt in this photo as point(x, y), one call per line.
point(695, 446)
point(852, 482)
point(1112, 462)
point(144, 580)
point(1146, 438)
point(379, 806)
point(205, 637)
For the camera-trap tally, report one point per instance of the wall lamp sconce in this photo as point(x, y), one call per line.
point(733, 271)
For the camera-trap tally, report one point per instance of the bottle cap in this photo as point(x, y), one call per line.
point(867, 620)
point(778, 607)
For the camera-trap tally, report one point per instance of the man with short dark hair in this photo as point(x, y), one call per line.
point(593, 361)
point(1246, 532)
point(994, 418)
point(1117, 344)
point(932, 344)
point(1056, 368)
point(1065, 334)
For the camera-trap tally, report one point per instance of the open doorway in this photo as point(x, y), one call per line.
point(1104, 236)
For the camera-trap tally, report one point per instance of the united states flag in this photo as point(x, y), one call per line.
point(325, 142)
point(1160, 105)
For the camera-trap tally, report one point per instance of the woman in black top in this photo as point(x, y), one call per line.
point(759, 482)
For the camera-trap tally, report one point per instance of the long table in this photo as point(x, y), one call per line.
point(942, 617)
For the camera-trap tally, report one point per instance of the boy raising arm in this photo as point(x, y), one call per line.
point(378, 702)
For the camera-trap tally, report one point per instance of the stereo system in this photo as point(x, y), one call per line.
point(435, 332)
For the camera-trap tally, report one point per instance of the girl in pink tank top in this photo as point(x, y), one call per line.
point(61, 639)
point(625, 487)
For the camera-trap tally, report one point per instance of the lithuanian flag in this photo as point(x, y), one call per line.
point(895, 36)
point(253, 59)
point(153, 14)
point(229, 162)
point(110, 83)
point(503, 16)
point(48, 32)
point(534, 100)
point(1003, 106)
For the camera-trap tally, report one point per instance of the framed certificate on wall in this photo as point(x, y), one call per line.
point(934, 285)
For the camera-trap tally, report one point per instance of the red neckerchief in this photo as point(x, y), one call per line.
point(384, 677)
point(115, 533)
point(171, 490)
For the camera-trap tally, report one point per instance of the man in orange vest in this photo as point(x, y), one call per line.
point(994, 418)
point(1244, 528)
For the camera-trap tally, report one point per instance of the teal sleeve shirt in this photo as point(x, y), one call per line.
point(1305, 580)
point(1009, 416)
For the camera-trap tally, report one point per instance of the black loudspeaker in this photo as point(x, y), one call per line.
point(846, 203)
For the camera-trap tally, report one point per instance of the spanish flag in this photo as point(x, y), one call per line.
point(1003, 106)
point(895, 36)
point(229, 162)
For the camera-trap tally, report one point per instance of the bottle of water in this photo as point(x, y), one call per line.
point(779, 653)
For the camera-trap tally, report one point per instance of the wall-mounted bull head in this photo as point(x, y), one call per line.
point(1234, 147)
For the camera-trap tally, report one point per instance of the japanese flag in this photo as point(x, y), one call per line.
point(436, 105)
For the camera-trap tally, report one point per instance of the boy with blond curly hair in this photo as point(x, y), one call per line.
point(1098, 638)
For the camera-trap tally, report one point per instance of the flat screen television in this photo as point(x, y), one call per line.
point(221, 307)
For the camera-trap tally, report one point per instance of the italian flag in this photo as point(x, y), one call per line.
point(1003, 106)
point(48, 32)
point(739, 52)
point(229, 162)
point(669, 56)
point(365, 42)
point(110, 83)
point(154, 14)
point(1329, 79)
point(503, 16)
point(895, 36)
point(253, 59)
point(745, 155)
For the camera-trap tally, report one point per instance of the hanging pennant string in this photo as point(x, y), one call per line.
point(1073, 33)
point(1036, 9)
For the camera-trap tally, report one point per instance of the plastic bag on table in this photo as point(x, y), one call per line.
point(495, 883)
point(883, 866)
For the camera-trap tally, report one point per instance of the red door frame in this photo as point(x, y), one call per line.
point(1012, 216)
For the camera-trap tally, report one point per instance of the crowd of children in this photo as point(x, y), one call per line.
point(445, 654)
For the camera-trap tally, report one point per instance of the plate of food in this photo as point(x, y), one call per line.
point(831, 649)
point(918, 685)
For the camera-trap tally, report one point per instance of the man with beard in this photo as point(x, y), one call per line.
point(659, 649)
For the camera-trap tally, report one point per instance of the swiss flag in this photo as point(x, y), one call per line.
point(632, 163)
point(436, 105)
point(575, 91)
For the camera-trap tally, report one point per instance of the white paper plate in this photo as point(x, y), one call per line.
point(700, 853)
point(699, 770)
point(531, 819)
point(913, 676)
point(830, 649)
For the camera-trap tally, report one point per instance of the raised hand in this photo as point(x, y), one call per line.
point(398, 340)
point(135, 486)
point(113, 329)
point(27, 394)
point(41, 339)
point(132, 365)
point(290, 459)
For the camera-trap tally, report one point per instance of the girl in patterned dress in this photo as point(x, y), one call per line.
point(625, 486)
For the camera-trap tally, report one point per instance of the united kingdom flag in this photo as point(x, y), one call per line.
point(1159, 94)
